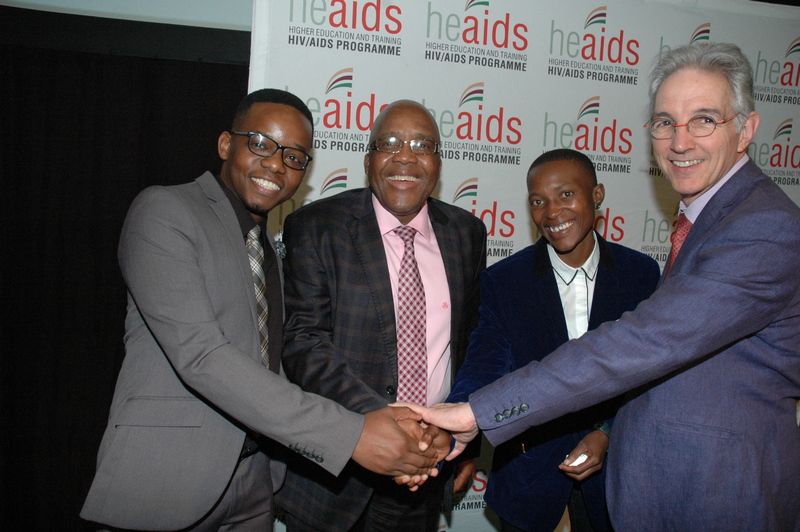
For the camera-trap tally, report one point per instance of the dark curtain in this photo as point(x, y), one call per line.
point(82, 134)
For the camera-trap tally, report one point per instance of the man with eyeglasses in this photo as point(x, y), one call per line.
point(201, 416)
point(708, 440)
point(354, 336)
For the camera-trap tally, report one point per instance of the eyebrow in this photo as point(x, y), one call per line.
point(697, 112)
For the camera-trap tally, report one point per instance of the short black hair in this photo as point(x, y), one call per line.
point(272, 96)
point(566, 154)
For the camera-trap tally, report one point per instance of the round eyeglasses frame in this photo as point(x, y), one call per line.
point(696, 126)
point(288, 159)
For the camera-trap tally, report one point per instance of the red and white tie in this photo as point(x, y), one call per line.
point(677, 238)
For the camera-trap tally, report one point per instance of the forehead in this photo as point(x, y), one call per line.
point(692, 90)
point(557, 174)
point(405, 120)
point(275, 118)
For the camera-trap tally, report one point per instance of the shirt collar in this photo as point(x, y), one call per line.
point(697, 206)
point(567, 272)
point(387, 221)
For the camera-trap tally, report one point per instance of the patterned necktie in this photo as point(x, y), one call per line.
point(412, 353)
point(677, 238)
point(256, 253)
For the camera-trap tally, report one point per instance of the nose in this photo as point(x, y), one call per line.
point(682, 140)
point(553, 210)
point(405, 154)
point(274, 162)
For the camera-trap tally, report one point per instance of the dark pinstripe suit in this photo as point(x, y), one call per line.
point(340, 332)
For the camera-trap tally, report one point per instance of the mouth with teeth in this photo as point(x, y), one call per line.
point(560, 227)
point(686, 164)
point(403, 178)
point(266, 184)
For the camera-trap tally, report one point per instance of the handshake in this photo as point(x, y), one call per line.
point(403, 441)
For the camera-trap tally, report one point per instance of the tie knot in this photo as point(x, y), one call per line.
point(406, 232)
point(254, 234)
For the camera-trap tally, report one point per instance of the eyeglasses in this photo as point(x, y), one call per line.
point(263, 146)
point(395, 145)
point(698, 126)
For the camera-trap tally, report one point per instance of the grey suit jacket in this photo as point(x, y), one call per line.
point(340, 335)
point(191, 379)
point(710, 440)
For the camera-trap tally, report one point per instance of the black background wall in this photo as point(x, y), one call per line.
point(91, 112)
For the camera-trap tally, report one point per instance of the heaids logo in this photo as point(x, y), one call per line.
point(701, 33)
point(478, 38)
point(480, 134)
point(780, 82)
point(346, 25)
point(340, 112)
point(603, 141)
point(594, 54)
point(498, 223)
point(335, 180)
point(780, 160)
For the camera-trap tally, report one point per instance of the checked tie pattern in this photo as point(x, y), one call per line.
point(412, 353)
point(256, 254)
point(677, 238)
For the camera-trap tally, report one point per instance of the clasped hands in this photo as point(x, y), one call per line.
point(396, 442)
point(405, 440)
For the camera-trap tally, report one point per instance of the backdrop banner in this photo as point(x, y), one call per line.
point(507, 81)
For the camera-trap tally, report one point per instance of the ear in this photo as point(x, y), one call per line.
point(224, 145)
point(598, 195)
point(748, 131)
point(366, 163)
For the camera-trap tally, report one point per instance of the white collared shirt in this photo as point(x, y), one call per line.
point(576, 286)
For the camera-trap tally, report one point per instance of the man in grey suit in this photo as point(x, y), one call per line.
point(709, 439)
point(200, 412)
point(344, 276)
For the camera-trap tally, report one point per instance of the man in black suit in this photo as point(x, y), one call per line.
point(344, 264)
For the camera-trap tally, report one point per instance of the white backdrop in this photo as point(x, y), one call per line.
point(508, 80)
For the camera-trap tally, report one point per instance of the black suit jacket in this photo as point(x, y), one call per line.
point(521, 320)
point(340, 334)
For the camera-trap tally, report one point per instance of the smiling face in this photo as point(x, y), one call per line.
point(264, 182)
point(403, 181)
point(695, 164)
point(562, 198)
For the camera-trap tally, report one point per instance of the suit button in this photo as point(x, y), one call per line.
point(390, 390)
point(524, 407)
point(515, 411)
point(498, 417)
point(506, 413)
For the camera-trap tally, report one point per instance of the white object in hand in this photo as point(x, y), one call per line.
point(578, 461)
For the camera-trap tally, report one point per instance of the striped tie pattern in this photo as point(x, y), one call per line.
point(256, 254)
point(412, 353)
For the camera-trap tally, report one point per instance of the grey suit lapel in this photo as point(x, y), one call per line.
point(222, 209)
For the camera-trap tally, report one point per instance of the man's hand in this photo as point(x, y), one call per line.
point(594, 445)
point(386, 448)
point(430, 436)
point(464, 471)
point(457, 418)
